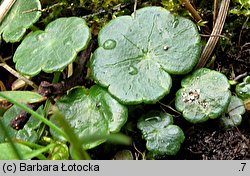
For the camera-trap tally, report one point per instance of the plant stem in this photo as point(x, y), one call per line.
point(18, 75)
point(29, 144)
point(191, 9)
point(216, 2)
point(135, 6)
point(194, 13)
point(37, 152)
point(34, 28)
point(212, 41)
point(35, 114)
point(48, 104)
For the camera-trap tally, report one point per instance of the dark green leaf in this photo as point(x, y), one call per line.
point(28, 132)
point(162, 136)
point(243, 89)
point(19, 18)
point(205, 94)
point(91, 112)
point(7, 152)
point(233, 115)
point(136, 54)
point(53, 49)
point(23, 96)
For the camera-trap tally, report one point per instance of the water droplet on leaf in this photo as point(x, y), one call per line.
point(160, 30)
point(67, 42)
point(35, 51)
point(165, 47)
point(145, 50)
point(109, 44)
point(133, 70)
point(175, 23)
point(40, 37)
point(98, 104)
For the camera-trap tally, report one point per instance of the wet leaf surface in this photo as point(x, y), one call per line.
point(19, 18)
point(7, 152)
point(161, 135)
point(233, 117)
point(91, 112)
point(243, 89)
point(53, 49)
point(137, 53)
point(28, 133)
point(205, 94)
point(23, 96)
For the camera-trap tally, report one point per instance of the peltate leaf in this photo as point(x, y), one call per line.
point(243, 89)
point(136, 54)
point(23, 96)
point(53, 49)
point(233, 117)
point(91, 112)
point(21, 16)
point(28, 133)
point(162, 136)
point(205, 94)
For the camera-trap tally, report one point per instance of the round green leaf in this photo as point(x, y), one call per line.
point(19, 18)
point(205, 94)
point(162, 136)
point(28, 133)
point(53, 49)
point(243, 89)
point(23, 96)
point(233, 117)
point(91, 112)
point(136, 54)
point(8, 153)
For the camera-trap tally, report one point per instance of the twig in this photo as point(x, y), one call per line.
point(46, 9)
point(142, 154)
point(216, 2)
point(243, 26)
point(216, 31)
point(135, 5)
point(194, 13)
point(115, 8)
point(5, 8)
point(18, 75)
point(222, 36)
point(247, 142)
point(169, 107)
point(2, 86)
point(241, 76)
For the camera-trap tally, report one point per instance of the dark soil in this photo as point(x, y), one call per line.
point(206, 143)
point(203, 142)
point(217, 145)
